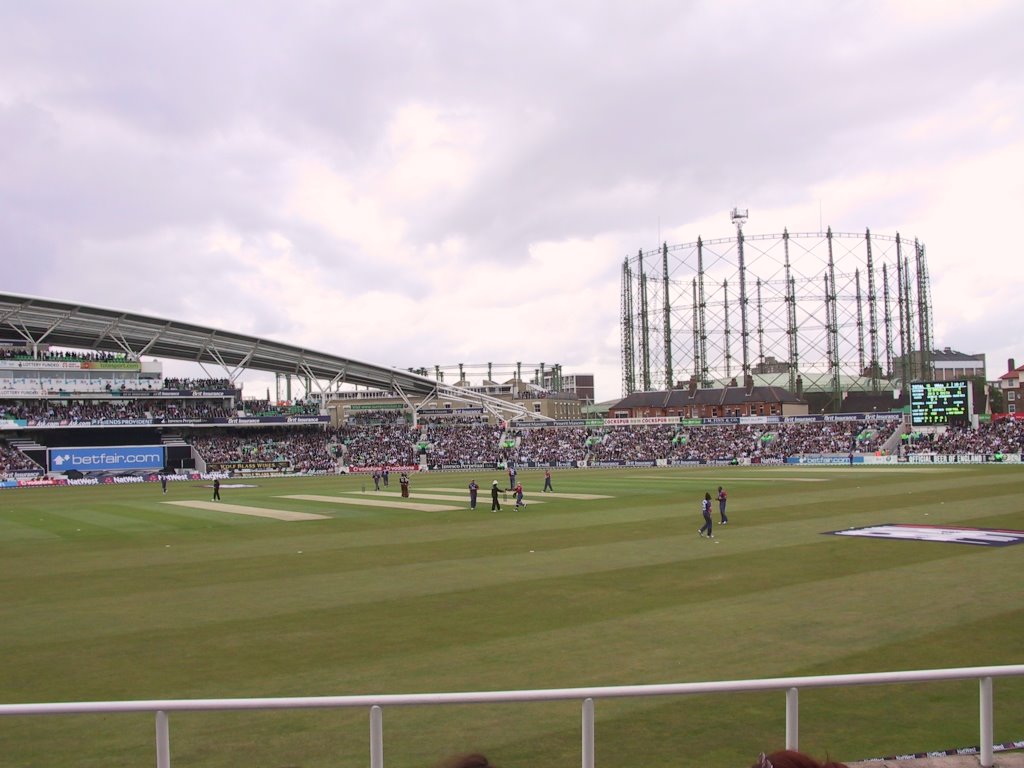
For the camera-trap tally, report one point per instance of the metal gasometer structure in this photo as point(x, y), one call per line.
point(808, 311)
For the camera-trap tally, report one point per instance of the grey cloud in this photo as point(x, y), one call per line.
point(119, 122)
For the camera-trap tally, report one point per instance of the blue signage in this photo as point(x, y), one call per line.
point(115, 457)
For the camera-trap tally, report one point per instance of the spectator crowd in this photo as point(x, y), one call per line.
point(22, 353)
point(197, 384)
point(1006, 436)
point(316, 449)
point(112, 410)
point(454, 444)
point(302, 450)
point(378, 445)
point(253, 407)
point(13, 460)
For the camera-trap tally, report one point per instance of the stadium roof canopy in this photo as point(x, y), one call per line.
point(39, 321)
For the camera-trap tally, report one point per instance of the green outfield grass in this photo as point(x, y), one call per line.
point(109, 593)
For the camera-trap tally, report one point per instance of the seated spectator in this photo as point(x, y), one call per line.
point(12, 460)
point(263, 407)
point(465, 444)
point(197, 384)
point(474, 760)
point(379, 445)
point(1004, 436)
point(304, 449)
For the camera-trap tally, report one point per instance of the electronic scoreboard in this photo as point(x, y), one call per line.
point(940, 403)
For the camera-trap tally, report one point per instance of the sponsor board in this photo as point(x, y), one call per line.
point(295, 419)
point(637, 420)
point(1004, 747)
point(228, 466)
point(380, 468)
point(963, 458)
point(983, 537)
point(888, 458)
point(609, 464)
point(448, 411)
point(171, 477)
point(456, 466)
point(39, 483)
point(219, 420)
point(712, 421)
point(822, 459)
point(71, 365)
point(165, 393)
point(556, 423)
point(117, 457)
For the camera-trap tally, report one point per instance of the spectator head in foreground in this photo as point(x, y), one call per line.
point(474, 760)
point(788, 758)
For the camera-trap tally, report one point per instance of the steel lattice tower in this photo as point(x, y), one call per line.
point(815, 326)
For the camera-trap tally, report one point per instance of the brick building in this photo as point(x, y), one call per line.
point(1011, 384)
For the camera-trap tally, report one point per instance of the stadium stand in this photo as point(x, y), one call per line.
point(66, 399)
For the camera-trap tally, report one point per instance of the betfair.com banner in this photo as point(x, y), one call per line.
point(117, 457)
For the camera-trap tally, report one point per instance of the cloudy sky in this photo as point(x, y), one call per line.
point(418, 183)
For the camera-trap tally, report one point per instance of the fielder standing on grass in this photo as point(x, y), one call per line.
point(705, 509)
point(722, 495)
point(495, 504)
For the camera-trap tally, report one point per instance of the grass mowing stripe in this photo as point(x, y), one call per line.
point(301, 581)
point(310, 657)
point(238, 509)
point(22, 525)
point(433, 593)
point(420, 494)
point(617, 590)
point(397, 504)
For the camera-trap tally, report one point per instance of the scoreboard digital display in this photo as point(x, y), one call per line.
point(940, 403)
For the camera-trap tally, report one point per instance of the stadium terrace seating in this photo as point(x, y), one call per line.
point(1005, 436)
point(13, 460)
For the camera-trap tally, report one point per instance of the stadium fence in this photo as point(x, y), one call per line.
point(587, 697)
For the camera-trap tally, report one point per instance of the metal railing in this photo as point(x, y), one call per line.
point(587, 696)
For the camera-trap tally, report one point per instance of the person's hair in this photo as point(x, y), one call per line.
point(789, 758)
point(473, 760)
point(707, 496)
